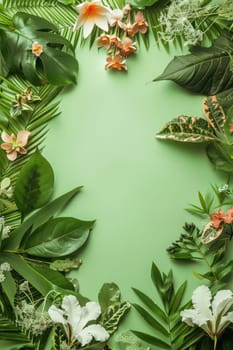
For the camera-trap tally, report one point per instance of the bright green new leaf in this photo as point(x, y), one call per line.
point(54, 63)
point(112, 316)
point(187, 129)
point(34, 185)
point(58, 237)
point(204, 70)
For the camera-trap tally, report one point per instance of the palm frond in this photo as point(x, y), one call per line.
point(35, 121)
point(62, 16)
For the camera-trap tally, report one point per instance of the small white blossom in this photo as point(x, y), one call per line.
point(211, 317)
point(6, 190)
point(75, 318)
point(4, 230)
point(5, 267)
point(224, 188)
point(2, 277)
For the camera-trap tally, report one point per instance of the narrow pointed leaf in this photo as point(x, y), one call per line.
point(152, 340)
point(176, 302)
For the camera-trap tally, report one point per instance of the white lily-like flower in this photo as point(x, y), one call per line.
point(211, 317)
point(90, 14)
point(75, 318)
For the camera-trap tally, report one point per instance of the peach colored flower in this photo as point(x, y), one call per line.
point(140, 23)
point(126, 9)
point(130, 29)
point(116, 17)
point(37, 49)
point(115, 41)
point(90, 14)
point(116, 62)
point(128, 47)
point(228, 218)
point(15, 144)
point(217, 218)
point(231, 128)
point(104, 41)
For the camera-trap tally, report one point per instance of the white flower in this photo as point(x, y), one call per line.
point(90, 14)
point(4, 230)
point(212, 318)
point(2, 276)
point(5, 267)
point(74, 319)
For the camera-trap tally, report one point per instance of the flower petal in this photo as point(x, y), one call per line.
point(201, 299)
point(22, 137)
point(189, 316)
point(56, 315)
point(222, 302)
point(87, 28)
point(91, 311)
point(12, 155)
point(72, 310)
point(102, 23)
point(97, 332)
point(225, 321)
point(8, 138)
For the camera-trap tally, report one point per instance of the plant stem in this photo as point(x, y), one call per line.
point(215, 342)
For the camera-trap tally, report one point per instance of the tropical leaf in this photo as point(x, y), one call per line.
point(34, 185)
point(55, 63)
point(187, 129)
point(39, 218)
point(214, 113)
point(141, 4)
point(200, 70)
point(108, 295)
point(220, 156)
point(113, 314)
point(58, 237)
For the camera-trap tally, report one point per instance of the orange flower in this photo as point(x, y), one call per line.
point(217, 218)
point(130, 29)
point(140, 23)
point(90, 14)
point(228, 218)
point(15, 144)
point(37, 49)
point(116, 41)
point(104, 41)
point(116, 62)
point(128, 47)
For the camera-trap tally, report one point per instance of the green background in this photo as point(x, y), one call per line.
point(135, 186)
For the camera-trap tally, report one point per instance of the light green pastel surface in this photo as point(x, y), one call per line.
point(135, 186)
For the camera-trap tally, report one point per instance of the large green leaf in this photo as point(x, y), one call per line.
point(56, 64)
point(187, 129)
point(205, 70)
point(34, 185)
point(221, 155)
point(39, 218)
point(214, 114)
point(58, 237)
point(152, 340)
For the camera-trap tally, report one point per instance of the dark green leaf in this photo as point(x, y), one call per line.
point(205, 70)
point(141, 4)
point(39, 218)
point(9, 287)
point(177, 300)
point(187, 129)
point(214, 114)
point(58, 237)
point(109, 294)
point(221, 156)
point(225, 98)
point(152, 340)
point(34, 185)
point(55, 64)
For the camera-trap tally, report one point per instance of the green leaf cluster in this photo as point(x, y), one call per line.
point(189, 247)
point(165, 320)
point(56, 63)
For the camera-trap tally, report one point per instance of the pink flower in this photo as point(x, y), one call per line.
point(90, 14)
point(15, 144)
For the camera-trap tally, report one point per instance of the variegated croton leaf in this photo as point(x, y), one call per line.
point(196, 129)
point(187, 129)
